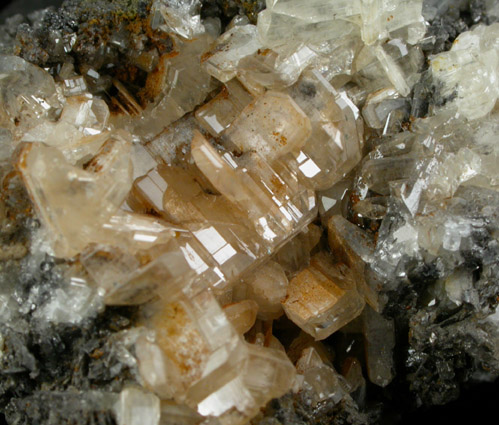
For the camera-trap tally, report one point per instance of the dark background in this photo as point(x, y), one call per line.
point(478, 404)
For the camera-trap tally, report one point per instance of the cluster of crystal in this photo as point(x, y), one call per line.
point(468, 72)
point(198, 358)
point(194, 197)
point(340, 38)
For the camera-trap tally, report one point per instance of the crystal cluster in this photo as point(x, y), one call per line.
point(205, 215)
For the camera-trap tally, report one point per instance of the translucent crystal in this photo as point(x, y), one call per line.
point(174, 141)
point(267, 286)
point(274, 202)
point(335, 199)
point(274, 69)
point(206, 365)
point(352, 371)
point(379, 335)
point(220, 112)
point(272, 125)
point(244, 216)
point(75, 203)
point(384, 109)
point(468, 72)
point(123, 251)
point(355, 247)
point(322, 298)
point(294, 21)
point(295, 255)
point(72, 303)
point(180, 414)
point(175, 87)
point(137, 407)
point(335, 146)
point(181, 17)
point(221, 61)
point(28, 94)
point(321, 380)
point(80, 131)
point(313, 21)
point(393, 64)
point(6, 144)
point(242, 315)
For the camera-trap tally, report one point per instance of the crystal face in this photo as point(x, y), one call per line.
point(232, 213)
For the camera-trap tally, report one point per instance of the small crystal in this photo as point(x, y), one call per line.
point(180, 17)
point(335, 146)
point(219, 113)
point(295, 255)
point(242, 315)
point(468, 72)
point(28, 94)
point(136, 407)
point(176, 86)
point(322, 298)
point(80, 131)
point(222, 60)
point(379, 334)
point(354, 247)
point(267, 286)
point(321, 380)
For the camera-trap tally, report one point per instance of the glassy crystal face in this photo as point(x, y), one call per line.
point(176, 86)
point(323, 297)
point(336, 143)
point(206, 364)
point(80, 131)
point(208, 210)
point(287, 129)
point(28, 94)
point(75, 203)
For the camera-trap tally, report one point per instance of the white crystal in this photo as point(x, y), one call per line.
point(470, 71)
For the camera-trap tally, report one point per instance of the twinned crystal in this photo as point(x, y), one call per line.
point(210, 217)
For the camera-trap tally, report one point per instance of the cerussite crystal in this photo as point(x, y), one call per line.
point(322, 298)
point(247, 212)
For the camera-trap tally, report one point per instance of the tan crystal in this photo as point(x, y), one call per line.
point(176, 86)
point(323, 297)
point(355, 248)
point(219, 113)
point(206, 364)
point(75, 203)
point(242, 315)
point(272, 125)
point(295, 255)
point(267, 286)
point(273, 201)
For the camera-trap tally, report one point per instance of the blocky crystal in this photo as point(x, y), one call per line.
point(323, 297)
point(75, 203)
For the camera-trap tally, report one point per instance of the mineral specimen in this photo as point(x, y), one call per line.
point(216, 212)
